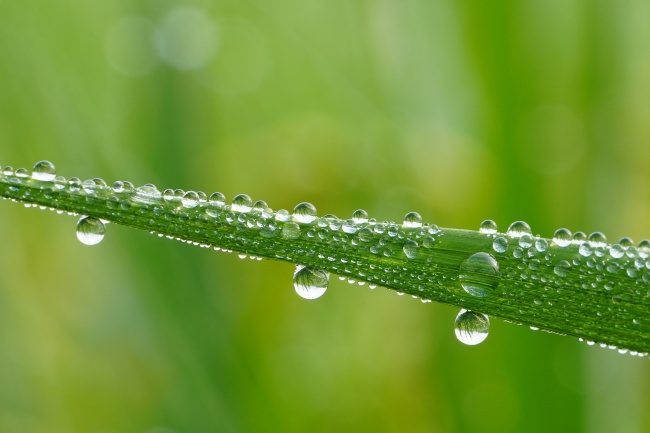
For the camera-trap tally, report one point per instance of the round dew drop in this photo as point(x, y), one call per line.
point(360, 216)
point(44, 171)
point(304, 213)
point(310, 283)
point(488, 227)
point(562, 268)
point(479, 274)
point(90, 231)
point(500, 244)
point(562, 237)
point(412, 220)
point(411, 249)
point(518, 228)
point(471, 328)
point(241, 203)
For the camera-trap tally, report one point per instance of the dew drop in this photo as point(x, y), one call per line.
point(291, 230)
point(616, 251)
point(541, 245)
point(471, 328)
point(585, 249)
point(310, 283)
point(304, 213)
point(411, 249)
point(44, 171)
point(365, 234)
point(597, 240)
point(562, 268)
point(22, 173)
point(488, 227)
point(479, 274)
point(90, 231)
point(500, 244)
point(349, 227)
point(579, 238)
point(412, 220)
point(360, 216)
point(190, 200)
point(526, 241)
point(518, 228)
point(282, 215)
point(562, 237)
point(147, 193)
point(241, 203)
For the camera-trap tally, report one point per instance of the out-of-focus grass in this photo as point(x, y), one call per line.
point(510, 110)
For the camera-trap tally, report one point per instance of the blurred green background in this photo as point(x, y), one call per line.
point(460, 110)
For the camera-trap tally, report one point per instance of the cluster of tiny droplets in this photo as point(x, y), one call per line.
point(479, 275)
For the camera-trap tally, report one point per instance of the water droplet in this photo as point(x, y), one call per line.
point(8, 171)
point(44, 171)
point(526, 241)
point(488, 227)
point(190, 200)
point(518, 228)
point(74, 184)
point(616, 251)
point(500, 244)
point(597, 240)
point(541, 245)
point(59, 182)
point(412, 220)
point(282, 215)
point(428, 242)
point(562, 237)
point(585, 249)
point(365, 234)
point(471, 328)
point(360, 216)
point(22, 173)
point(411, 249)
point(562, 268)
point(90, 231)
point(579, 238)
point(241, 203)
point(349, 227)
point(291, 230)
point(304, 213)
point(147, 194)
point(479, 274)
point(310, 283)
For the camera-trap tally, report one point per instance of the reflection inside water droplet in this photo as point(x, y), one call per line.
point(471, 328)
point(90, 231)
point(44, 171)
point(310, 283)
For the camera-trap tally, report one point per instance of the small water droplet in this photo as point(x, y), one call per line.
point(44, 171)
point(304, 213)
point(241, 203)
point(22, 173)
point(518, 228)
point(616, 251)
point(579, 238)
point(479, 274)
point(310, 283)
point(190, 200)
point(360, 216)
point(471, 328)
point(411, 249)
point(282, 215)
point(500, 244)
point(147, 193)
point(365, 234)
point(90, 231)
point(562, 237)
point(488, 227)
point(585, 249)
point(412, 220)
point(562, 268)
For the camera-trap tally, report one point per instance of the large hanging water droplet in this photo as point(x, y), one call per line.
point(304, 213)
point(479, 274)
point(471, 328)
point(44, 171)
point(562, 237)
point(518, 228)
point(412, 220)
point(310, 283)
point(90, 231)
point(488, 227)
